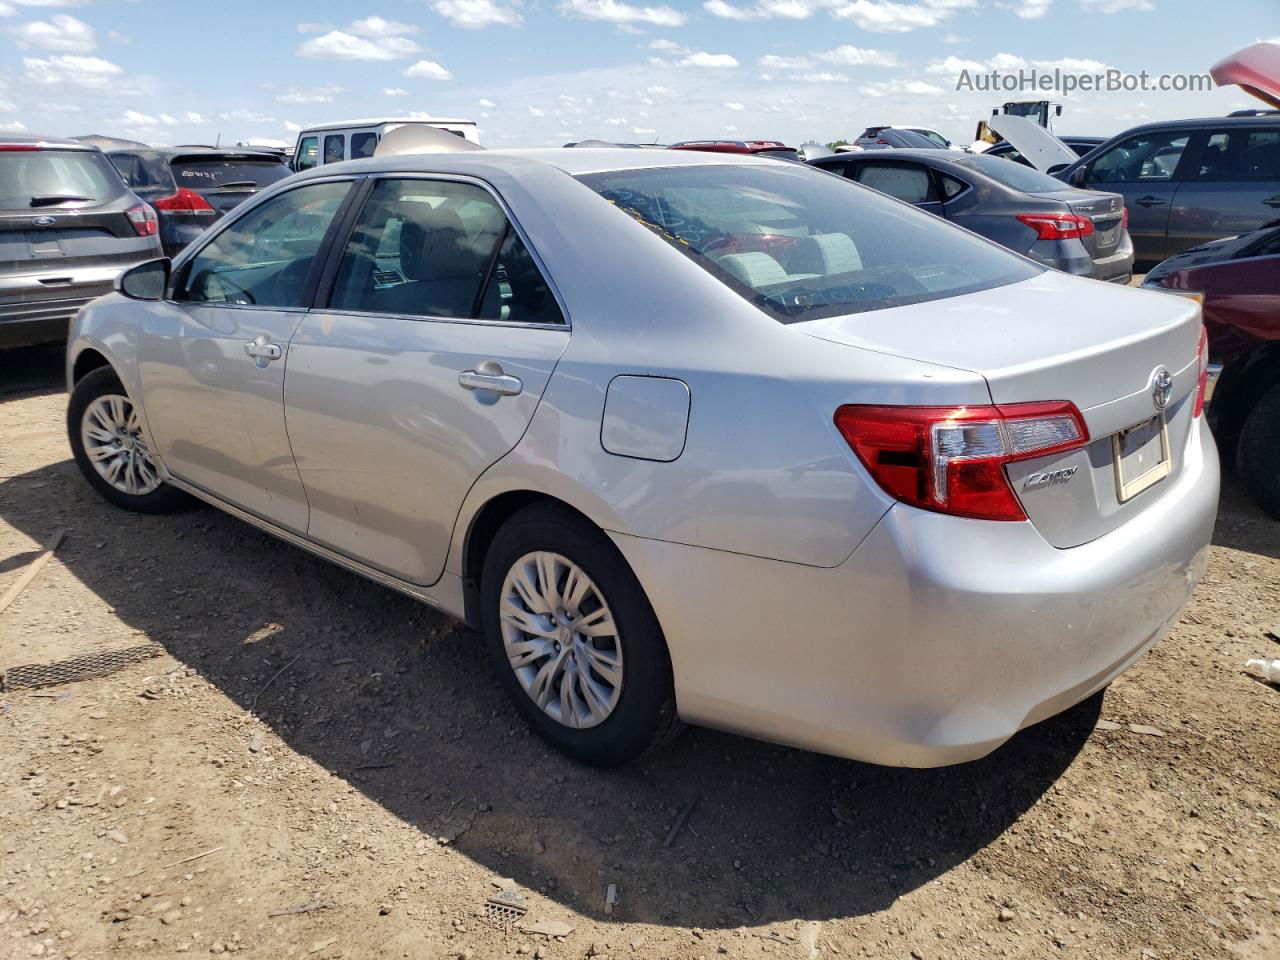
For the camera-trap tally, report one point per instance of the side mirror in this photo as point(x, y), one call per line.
point(1057, 110)
point(146, 281)
point(1057, 168)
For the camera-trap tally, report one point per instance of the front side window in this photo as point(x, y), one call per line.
point(265, 257)
point(335, 146)
point(437, 248)
point(799, 246)
point(363, 145)
point(905, 181)
point(1143, 158)
point(308, 154)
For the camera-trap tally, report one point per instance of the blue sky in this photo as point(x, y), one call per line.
point(533, 72)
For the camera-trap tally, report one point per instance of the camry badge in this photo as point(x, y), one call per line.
point(1161, 387)
point(1050, 479)
point(43, 221)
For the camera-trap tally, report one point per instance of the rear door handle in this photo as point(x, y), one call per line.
point(1273, 201)
point(1150, 201)
point(489, 376)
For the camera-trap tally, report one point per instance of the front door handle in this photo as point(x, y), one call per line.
point(263, 350)
point(1273, 201)
point(489, 376)
point(1149, 201)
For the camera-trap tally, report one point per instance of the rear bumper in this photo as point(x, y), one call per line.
point(1071, 256)
point(938, 639)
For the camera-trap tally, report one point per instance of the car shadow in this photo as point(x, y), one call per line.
point(32, 371)
point(1242, 525)
point(399, 701)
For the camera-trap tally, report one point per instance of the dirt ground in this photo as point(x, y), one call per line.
point(316, 767)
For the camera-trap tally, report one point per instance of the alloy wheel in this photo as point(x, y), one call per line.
point(560, 638)
point(113, 442)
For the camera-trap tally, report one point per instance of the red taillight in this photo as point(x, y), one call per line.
point(17, 147)
point(1124, 218)
point(952, 459)
point(1057, 226)
point(143, 219)
point(185, 201)
point(1202, 383)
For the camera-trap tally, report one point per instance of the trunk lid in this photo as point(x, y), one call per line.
point(1106, 210)
point(1056, 337)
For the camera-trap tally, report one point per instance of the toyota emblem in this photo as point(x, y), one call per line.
point(1161, 387)
point(43, 222)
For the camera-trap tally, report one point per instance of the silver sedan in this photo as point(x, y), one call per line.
point(689, 437)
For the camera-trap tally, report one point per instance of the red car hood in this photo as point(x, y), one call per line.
point(1255, 70)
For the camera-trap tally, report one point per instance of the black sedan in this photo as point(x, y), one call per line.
point(1077, 231)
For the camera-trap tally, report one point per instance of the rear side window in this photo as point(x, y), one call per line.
point(800, 247)
point(144, 172)
point(334, 148)
point(905, 181)
point(433, 248)
point(363, 145)
point(308, 154)
point(1143, 158)
point(56, 179)
point(265, 257)
point(215, 172)
point(1240, 155)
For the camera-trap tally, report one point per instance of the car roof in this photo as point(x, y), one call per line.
point(61, 143)
point(378, 121)
point(199, 151)
point(1192, 124)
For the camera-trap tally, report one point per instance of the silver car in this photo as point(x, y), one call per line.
point(690, 438)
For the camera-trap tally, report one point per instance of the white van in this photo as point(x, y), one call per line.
point(353, 139)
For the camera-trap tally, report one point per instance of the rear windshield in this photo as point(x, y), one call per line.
point(56, 178)
point(800, 244)
point(213, 173)
point(1013, 174)
point(782, 153)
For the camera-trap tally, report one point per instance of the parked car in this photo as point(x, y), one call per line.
point(1238, 281)
point(1187, 182)
point(68, 226)
point(1076, 231)
point(887, 491)
point(1081, 146)
point(762, 148)
point(885, 138)
point(354, 139)
point(933, 136)
point(191, 187)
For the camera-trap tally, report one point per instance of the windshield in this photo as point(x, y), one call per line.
point(801, 244)
point(1013, 174)
point(212, 173)
point(56, 178)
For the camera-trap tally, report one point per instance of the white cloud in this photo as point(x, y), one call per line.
point(734, 105)
point(13, 126)
point(132, 118)
point(662, 43)
point(954, 38)
point(7, 10)
point(764, 10)
point(847, 55)
point(1115, 6)
point(773, 62)
point(372, 38)
point(428, 70)
point(713, 61)
point(60, 32)
point(196, 118)
point(91, 73)
point(486, 103)
point(915, 88)
point(879, 16)
point(321, 94)
point(535, 112)
point(291, 126)
point(1028, 9)
point(882, 16)
point(394, 92)
point(476, 14)
point(615, 11)
point(247, 116)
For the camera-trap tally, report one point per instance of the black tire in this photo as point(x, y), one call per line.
point(644, 717)
point(1258, 454)
point(99, 383)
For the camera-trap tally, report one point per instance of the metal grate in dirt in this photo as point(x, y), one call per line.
point(504, 909)
point(87, 667)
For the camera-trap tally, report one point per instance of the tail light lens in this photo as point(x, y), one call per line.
point(952, 459)
point(143, 219)
point(1124, 218)
point(1202, 383)
point(1057, 226)
point(18, 147)
point(185, 201)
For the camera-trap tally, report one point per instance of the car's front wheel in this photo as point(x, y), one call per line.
point(574, 639)
point(110, 449)
point(1258, 455)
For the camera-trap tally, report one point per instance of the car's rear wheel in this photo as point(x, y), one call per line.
point(574, 640)
point(109, 447)
point(1258, 455)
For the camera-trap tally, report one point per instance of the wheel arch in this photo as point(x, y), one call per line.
point(1243, 384)
point(86, 361)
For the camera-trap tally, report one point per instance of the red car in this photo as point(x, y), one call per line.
point(1239, 279)
point(768, 148)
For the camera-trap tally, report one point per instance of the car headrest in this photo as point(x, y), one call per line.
point(433, 245)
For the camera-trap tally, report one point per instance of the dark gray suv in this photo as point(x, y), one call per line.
point(1187, 182)
point(68, 227)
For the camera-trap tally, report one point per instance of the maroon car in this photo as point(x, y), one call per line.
point(1239, 279)
point(766, 148)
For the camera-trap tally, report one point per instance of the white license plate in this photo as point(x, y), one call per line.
point(1141, 455)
